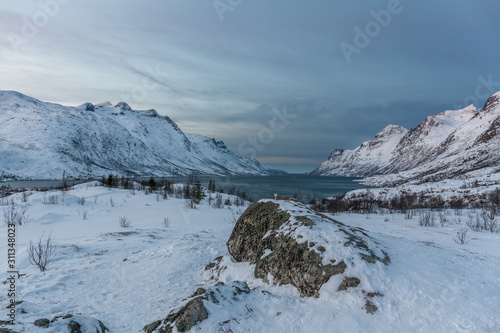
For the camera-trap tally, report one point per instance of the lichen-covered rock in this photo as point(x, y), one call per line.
point(152, 327)
point(195, 309)
point(297, 246)
point(43, 322)
point(74, 327)
point(192, 313)
point(349, 282)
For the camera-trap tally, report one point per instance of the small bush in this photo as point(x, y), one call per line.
point(42, 253)
point(426, 219)
point(81, 201)
point(461, 236)
point(443, 220)
point(218, 201)
point(190, 203)
point(25, 196)
point(50, 199)
point(85, 215)
point(14, 214)
point(166, 222)
point(124, 222)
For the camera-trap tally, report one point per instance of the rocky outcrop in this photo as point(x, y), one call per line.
point(194, 310)
point(72, 324)
point(285, 240)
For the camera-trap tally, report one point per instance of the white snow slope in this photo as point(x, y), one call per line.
point(41, 140)
point(452, 144)
point(130, 277)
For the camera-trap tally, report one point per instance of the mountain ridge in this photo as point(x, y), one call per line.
point(41, 140)
point(451, 144)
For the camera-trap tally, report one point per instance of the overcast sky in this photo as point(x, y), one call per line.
point(284, 80)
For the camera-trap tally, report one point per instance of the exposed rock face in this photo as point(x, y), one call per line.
point(194, 310)
point(192, 313)
point(285, 239)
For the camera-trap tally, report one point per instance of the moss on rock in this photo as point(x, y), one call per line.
point(291, 258)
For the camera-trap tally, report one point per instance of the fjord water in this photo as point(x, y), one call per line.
point(302, 186)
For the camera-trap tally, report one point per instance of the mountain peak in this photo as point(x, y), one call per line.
point(492, 102)
point(391, 130)
point(10, 95)
point(123, 106)
point(87, 107)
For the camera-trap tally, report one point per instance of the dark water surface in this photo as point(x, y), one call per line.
point(302, 186)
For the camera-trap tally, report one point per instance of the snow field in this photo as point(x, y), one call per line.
point(130, 277)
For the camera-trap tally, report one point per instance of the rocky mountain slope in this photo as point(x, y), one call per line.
point(41, 140)
point(452, 144)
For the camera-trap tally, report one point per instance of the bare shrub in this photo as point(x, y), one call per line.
point(443, 220)
point(16, 214)
point(190, 203)
point(218, 201)
point(85, 215)
point(426, 219)
point(25, 196)
point(124, 222)
point(166, 222)
point(52, 199)
point(42, 253)
point(111, 202)
point(81, 201)
point(238, 201)
point(485, 220)
point(461, 236)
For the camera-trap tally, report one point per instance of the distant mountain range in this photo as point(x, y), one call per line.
point(453, 144)
point(41, 140)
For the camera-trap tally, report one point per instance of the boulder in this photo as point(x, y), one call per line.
point(290, 243)
point(73, 324)
point(195, 309)
point(42, 322)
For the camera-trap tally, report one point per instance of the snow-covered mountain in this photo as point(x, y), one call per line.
point(41, 140)
point(368, 159)
point(452, 144)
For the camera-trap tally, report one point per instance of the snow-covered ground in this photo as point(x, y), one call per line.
point(130, 277)
point(470, 190)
